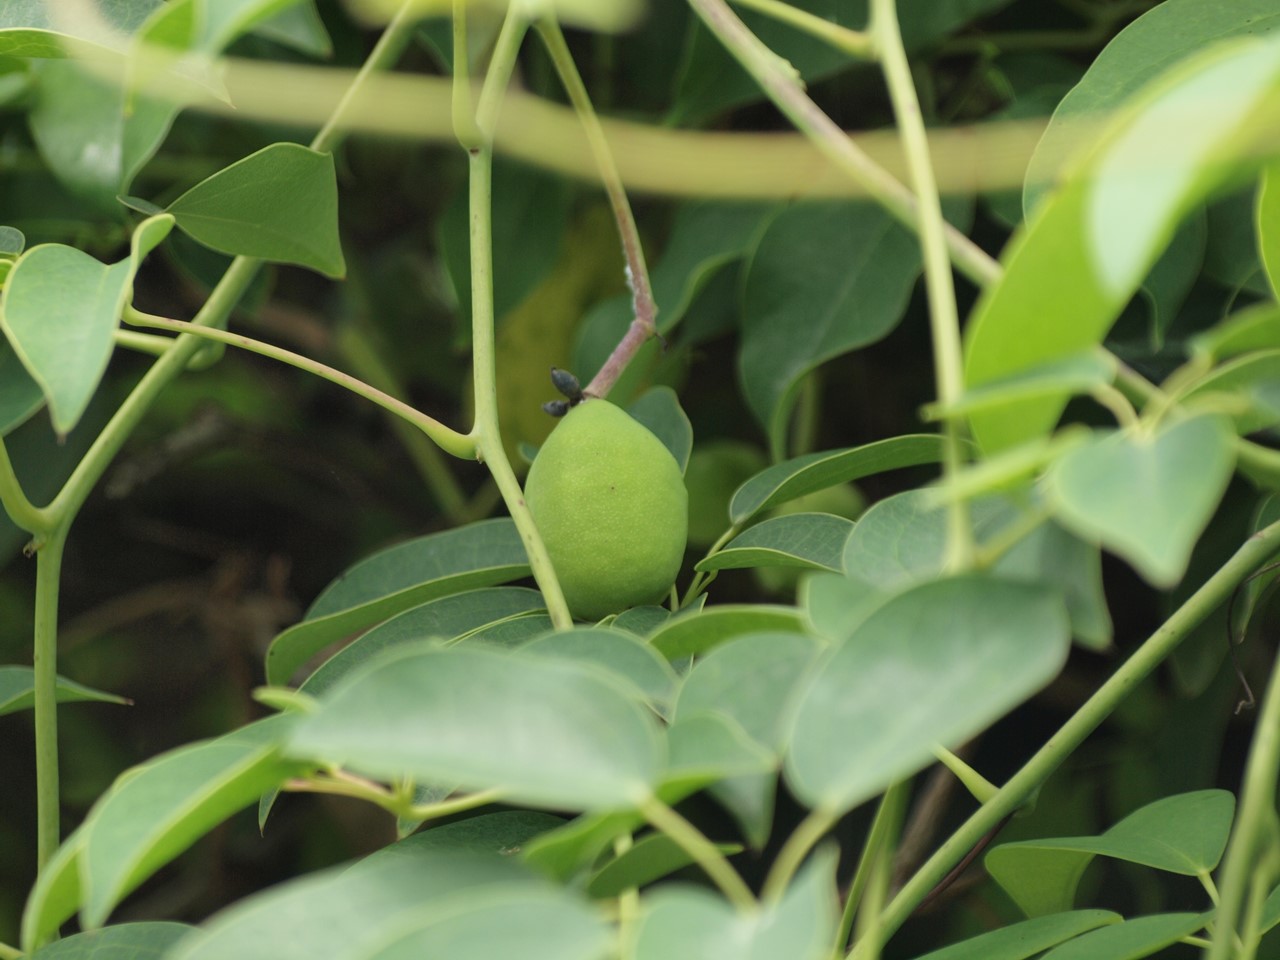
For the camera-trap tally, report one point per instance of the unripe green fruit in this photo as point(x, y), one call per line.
point(610, 503)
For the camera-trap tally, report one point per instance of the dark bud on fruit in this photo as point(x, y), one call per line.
point(567, 384)
point(557, 408)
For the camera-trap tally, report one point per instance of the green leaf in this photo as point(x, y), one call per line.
point(545, 732)
point(1167, 34)
point(1132, 939)
point(222, 21)
point(1251, 378)
point(934, 665)
point(659, 410)
point(60, 309)
point(650, 858)
point(1256, 327)
point(752, 680)
point(12, 241)
point(93, 133)
point(622, 654)
point(816, 471)
point(56, 894)
point(1069, 273)
point(694, 924)
point(157, 810)
point(1268, 223)
point(812, 541)
point(1231, 255)
point(137, 941)
point(503, 834)
point(1070, 375)
point(1027, 938)
point(824, 280)
point(278, 204)
point(17, 691)
point(434, 902)
point(445, 618)
point(697, 631)
point(397, 579)
point(1146, 497)
point(298, 26)
point(1184, 834)
point(37, 28)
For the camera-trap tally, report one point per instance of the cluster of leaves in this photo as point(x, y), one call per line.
point(1138, 296)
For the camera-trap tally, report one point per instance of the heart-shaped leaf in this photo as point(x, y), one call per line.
point(1146, 497)
point(60, 310)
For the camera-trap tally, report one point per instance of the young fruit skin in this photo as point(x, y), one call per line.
point(610, 503)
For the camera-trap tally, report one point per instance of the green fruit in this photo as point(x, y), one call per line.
point(610, 503)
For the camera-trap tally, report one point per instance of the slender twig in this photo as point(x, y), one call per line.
point(1253, 553)
point(944, 318)
point(856, 43)
point(644, 310)
point(703, 852)
point(451, 441)
point(786, 91)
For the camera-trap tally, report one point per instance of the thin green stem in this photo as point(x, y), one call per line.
point(1117, 403)
point(703, 577)
point(943, 315)
point(704, 853)
point(888, 814)
point(979, 787)
point(1256, 815)
point(855, 43)
point(1216, 590)
point(451, 441)
point(498, 76)
point(9, 953)
point(147, 343)
point(24, 514)
point(803, 838)
point(392, 42)
point(446, 808)
point(781, 85)
point(487, 431)
point(45, 681)
point(644, 309)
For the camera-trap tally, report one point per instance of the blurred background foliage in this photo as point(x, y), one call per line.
point(250, 484)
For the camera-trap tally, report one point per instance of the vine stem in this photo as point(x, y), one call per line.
point(943, 315)
point(883, 826)
point(1215, 591)
point(61, 512)
point(644, 310)
point(24, 514)
point(1257, 816)
point(803, 839)
point(704, 853)
point(451, 441)
point(486, 432)
point(778, 81)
